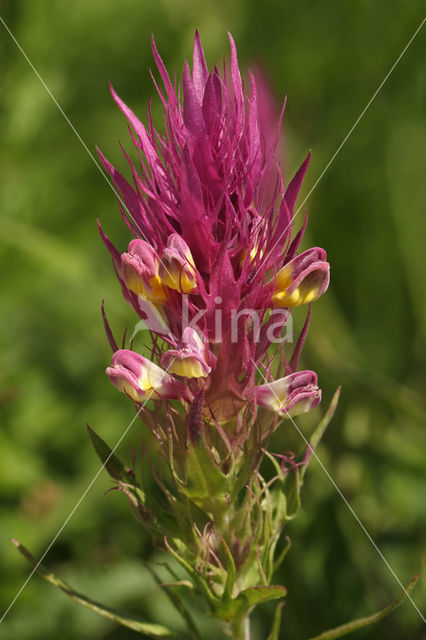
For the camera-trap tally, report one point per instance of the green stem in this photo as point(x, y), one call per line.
point(241, 628)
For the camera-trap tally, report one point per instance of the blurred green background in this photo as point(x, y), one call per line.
point(368, 333)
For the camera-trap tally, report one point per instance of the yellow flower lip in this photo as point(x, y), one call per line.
point(187, 367)
point(152, 277)
point(189, 361)
point(303, 280)
point(153, 290)
point(178, 278)
point(177, 268)
point(139, 270)
point(300, 295)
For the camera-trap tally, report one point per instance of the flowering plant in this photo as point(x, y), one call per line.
point(214, 271)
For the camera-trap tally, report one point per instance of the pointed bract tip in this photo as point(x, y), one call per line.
point(234, 55)
point(231, 39)
point(114, 93)
point(186, 70)
point(154, 47)
point(335, 399)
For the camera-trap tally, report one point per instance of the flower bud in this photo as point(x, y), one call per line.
point(188, 361)
point(138, 377)
point(302, 280)
point(177, 268)
point(292, 395)
point(139, 269)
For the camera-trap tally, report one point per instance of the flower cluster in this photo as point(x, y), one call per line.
point(212, 255)
point(214, 271)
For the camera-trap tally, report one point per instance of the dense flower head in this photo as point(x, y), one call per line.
point(213, 255)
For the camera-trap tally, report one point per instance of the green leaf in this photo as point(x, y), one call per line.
point(206, 484)
point(344, 629)
point(293, 485)
point(197, 578)
point(320, 430)
point(262, 593)
point(146, 628)
point(275, 631)
point(111, 462)
point(231, 571)
point(235, 609)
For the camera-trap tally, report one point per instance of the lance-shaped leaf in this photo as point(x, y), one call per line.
point(146, 628)
point(344, 629)
point(110, 461)
point(293, 485)
point(270, 563)
point(262, 593)
point(231, 572)
point(247, 599)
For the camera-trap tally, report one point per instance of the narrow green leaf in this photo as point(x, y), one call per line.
point(262, 593)
point(293, 485)
point(197, 578)
point(320, 430)
point(231, 571)
point(275, 631)
point(146, 628)
point(354, 625)
point(112, 463)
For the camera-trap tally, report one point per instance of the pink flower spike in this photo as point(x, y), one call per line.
point(140, 378)
point(292, 395)
point(208, 195)
point(177, 269)
point(302, 280)
point(189, 361)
